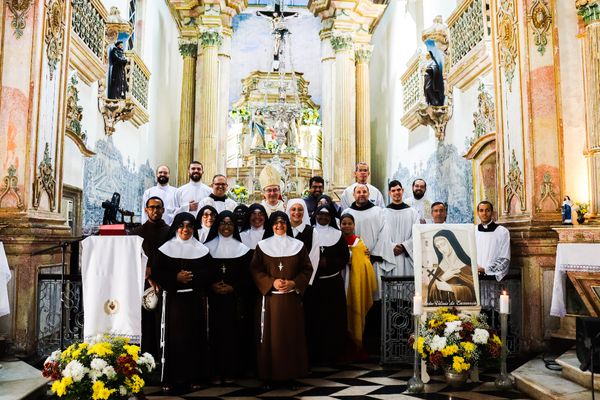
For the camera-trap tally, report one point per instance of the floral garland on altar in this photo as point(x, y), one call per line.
point(102, 368)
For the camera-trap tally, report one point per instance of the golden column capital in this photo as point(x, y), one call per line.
point(211, 37)
point(188, 47)
point(588, 10)
point(363, 53)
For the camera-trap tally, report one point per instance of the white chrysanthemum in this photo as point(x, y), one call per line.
point(109, 372)
point(122, 390)
point(75, 370)
point(481, 336)
point(438, 343)
point(147, 360)
point(98, 364)
point(55, 356)
point(94, 374)
point(451, 327)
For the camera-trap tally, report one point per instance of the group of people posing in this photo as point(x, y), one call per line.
point(277, 286)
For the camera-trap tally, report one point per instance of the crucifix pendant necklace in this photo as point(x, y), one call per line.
point(280, 266)
point(223, 268)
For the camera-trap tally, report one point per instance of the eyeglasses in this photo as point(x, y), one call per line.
point(208, 214)
point(219, 184)
point(279, 222)
point(226, 224)
point(155, 207)
point(186, 225)
point(273, 190)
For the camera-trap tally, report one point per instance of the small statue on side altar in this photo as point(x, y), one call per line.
point(117, 73)
point(566, 211)
point(434, 76)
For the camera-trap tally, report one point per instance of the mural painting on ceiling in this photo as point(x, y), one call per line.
point(449, 179)
point(106, 173)
point(252, 47)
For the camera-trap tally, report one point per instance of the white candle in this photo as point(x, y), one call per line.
point(504, 302)
point(417, 305)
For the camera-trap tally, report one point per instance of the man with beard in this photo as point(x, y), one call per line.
point(316, 186)
point(188, 196)
point(367, 216)
point(492, 242)
point(154, 232)
point(164, 191)
point(419, 202)
point(439, 212)
point(218, 198)
point(395, 245)
point(361, 173)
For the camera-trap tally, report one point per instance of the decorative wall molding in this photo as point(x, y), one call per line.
point(507, 37)
point(113, 110)
point(547, 193)
point(484, 118)
point(10, 187)
point(341, 41)
point(45, 181)
point(19, 9)
point(55, 30)
point(514, 185)
point(540, 18)
point(74, 116)
point(588, 10)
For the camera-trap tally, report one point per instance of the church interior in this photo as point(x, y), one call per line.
point(484, 100)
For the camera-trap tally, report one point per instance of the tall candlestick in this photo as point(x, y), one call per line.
point(417, 305)
point(504, 303)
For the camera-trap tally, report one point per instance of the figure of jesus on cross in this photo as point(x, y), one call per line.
point(277, 18)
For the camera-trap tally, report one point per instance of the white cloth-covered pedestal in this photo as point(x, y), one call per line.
point(582, 257)
point(112, 269)
point(4, 279)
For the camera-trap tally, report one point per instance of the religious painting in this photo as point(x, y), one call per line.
point(587, 285)
point(445, 262)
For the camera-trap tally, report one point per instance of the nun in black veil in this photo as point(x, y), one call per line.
point(230, 282)
point(182, 269)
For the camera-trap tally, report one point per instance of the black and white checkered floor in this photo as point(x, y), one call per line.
point(356, 381)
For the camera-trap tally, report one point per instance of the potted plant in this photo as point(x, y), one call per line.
point(582, 209)
point(103, 368)
point(456, 342)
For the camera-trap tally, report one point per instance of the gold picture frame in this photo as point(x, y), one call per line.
point(587, 285)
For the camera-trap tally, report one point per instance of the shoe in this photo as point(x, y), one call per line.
point(228, 381)
point(167, 389)
point(196, 386)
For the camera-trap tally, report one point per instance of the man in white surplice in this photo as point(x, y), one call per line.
point(188, 196)
point(361, 173)
point(218, 198)
point(163, 190)
point(419, 202)
point(395, 243)
point(492, 242)
point(367, 216)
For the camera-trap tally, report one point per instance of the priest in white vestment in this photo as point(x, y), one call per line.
point(188, 196)
point(218, 198)
point(5, 276)
point(492, 242)
point(395, 245)
point(361, 174)
point(163, 190)
point(367, 216)
point(271, 184)
point(419, 202)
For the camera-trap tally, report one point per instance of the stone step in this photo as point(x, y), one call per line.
point(541, 383)
point(19, 380)
point(570, 370)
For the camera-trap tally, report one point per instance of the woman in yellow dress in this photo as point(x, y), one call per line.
point(362, 283)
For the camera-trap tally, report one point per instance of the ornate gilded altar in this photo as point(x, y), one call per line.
point(274, 122)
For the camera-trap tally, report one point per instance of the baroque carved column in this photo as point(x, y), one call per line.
point(210, 40)
point(188, 47)
point(589, 10)
point(345, 110)
point(363, 104)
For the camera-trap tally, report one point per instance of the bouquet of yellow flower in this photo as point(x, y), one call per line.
point(238, 193)
point(456, 341)
point(581, 208)
point(102, 368)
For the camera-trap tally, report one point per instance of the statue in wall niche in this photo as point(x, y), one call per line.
point(434, 76)
point(117, 74)
point(258, 130)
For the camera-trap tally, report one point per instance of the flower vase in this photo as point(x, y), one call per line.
point(455, 379)
point(580, 219)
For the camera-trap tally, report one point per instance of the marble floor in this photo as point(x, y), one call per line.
point(355, 381)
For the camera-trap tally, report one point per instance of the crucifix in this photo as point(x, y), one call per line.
point(223, 268)
point(280, 266)
point(277, 18)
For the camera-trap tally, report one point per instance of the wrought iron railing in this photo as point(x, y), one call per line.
point(56, 312)
point(397, 326)
point(90, 25)
point(138, 77)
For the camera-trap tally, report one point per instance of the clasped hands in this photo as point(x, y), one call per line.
point(284, 285)
point(184, 276)
point(221, 288)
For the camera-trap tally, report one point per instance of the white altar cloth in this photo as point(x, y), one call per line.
point(112, 269)
point(582, 257)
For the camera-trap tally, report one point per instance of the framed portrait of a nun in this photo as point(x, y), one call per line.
point(445, 264)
